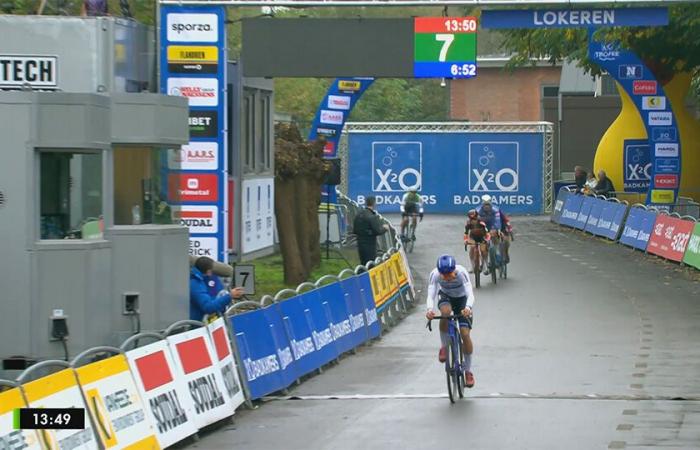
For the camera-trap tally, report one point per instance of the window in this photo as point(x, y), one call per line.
point(550, 91)
point(249, 131)
point(608, 85)
point(141, 184)
point(70, 195)
point(257, 130)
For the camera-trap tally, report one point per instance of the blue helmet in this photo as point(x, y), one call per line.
point(446, 264)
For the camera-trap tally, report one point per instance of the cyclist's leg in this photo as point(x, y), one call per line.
point(506, 248)
point(465, 326)
point(404, 222)
point(445, 308)
point(484, 256)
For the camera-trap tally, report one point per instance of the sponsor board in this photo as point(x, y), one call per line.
point(653, 102)
point(168, 406)
point(193, 59)
point(204, 124)
point(670, 237)
point(194, 366)
point(339, 102)
point(662, 196)
point(692, 251)
point(328, 132)
point(668, 181)
point(637, 165)
point(660, 118)
point(630, 71)
point(39, 72)
point(667, 166)
point(607, 51)
point(194, 187)
point(644, 87)
point(194, 156)
point(329, 148)
point(332, 117)
point(11, 438)
point(183, 27)
point(664, 134)
point(204, 246)
point(669, 150)
point(198, 91)
point(494, 166)
point(115, 404)
point(349, 85)
point(396, 166)
point(225, 361)
point(199, 219)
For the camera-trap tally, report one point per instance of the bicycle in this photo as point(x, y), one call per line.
point(454, 364)
point(495, 258)
point(409, 240)
point(475, 260)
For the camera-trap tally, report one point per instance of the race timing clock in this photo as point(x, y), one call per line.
point(444, 47)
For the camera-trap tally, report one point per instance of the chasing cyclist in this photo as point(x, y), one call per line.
point(449, 282)
point(411, 205)
point(497, 223)
point(476, 233)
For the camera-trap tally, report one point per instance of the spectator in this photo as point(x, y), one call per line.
point(207, 295)
point(94, 8)
point(580, 176)
point(367, 227)
point(590, 184)
point(605, 186)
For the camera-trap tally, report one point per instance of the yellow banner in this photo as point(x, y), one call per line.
point(346, 85)
point(662, 196)
point(399, 269)
point(50, 384)
point(11, 400)
point(192, 54)
point(102, 369)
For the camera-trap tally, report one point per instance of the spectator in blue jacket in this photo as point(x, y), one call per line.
point(207, 295)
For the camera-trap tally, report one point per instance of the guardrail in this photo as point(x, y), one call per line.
point(160, 387)
point(668, 234)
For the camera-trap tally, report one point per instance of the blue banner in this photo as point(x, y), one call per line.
point(374, 328)
point(193, 65)
point(572, 206)
point(637, 165)
point(356, 309)
point(289, 372)
point(451, 170)
point(258, 352)
point(583, 213)
point(611, 219)
point(638, 228)
point(594, 216)
point(333, 301)
point(299, 325)
point(574, 18)
point(649, 97)
point(559, 205)
point(320, 324)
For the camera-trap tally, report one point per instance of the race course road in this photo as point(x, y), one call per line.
point(587, 345)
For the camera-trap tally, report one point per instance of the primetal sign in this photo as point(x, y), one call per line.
point(573, 18)
point(444, 47)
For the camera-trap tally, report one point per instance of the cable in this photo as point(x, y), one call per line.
point(65, 347)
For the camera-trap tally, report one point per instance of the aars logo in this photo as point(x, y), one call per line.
point(195, 156)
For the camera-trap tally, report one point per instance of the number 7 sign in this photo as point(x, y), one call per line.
point(244, 276)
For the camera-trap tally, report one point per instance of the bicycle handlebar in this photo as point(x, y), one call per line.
point(453, 316)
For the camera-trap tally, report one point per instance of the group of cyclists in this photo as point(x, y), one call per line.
point(448, 283)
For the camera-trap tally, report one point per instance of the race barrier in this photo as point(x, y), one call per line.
point(670, 236)
point(159, 388)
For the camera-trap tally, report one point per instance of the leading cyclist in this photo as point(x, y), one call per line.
point(449, 282)
point(497, 223)
point(411, 205)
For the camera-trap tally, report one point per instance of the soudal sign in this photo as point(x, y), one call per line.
point(192, 27)
point(199, 219)
point(196, 187)
point(644, 87)
point(40, 72)
point(204, 124)
point(669, 181)
point(198, 91)
point(195, 156)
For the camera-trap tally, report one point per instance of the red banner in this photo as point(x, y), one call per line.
point(670, 237)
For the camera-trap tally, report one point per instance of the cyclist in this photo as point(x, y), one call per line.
point(475, 231)
point(497, 223)
point(449, 282)
point(411, 205)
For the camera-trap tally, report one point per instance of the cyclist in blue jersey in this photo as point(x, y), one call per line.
point(497, 223)
point(449, 284)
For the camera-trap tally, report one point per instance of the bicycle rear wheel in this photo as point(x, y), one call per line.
point(492, 264)
point(448, 373)
point(476, 267)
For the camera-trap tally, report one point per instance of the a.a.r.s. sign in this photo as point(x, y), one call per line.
point(451, 170)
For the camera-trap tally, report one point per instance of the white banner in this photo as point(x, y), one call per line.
point(115, 404)
point(195, 366)
point(258, 214)
point(226, 362)
point(60, 390)
point(10, 438)
point(167, 403)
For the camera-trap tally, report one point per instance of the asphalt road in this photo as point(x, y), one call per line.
point(587, 345)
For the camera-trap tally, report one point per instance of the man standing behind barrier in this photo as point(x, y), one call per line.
point(202, 300)
point(367, 227)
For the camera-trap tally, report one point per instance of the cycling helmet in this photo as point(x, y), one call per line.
point(486, 199)
point(446, 264)
point(472, 213)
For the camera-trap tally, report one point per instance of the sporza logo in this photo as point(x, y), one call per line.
point(608, 52)
point(494, 166)
point(193, 27)
point(397, 166)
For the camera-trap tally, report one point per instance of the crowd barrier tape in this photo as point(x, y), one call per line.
point(168, 405)
point(61, 390)
point(670, 237)
point(638, 228)
point(195, 366)
point(226, 363)
point(9, 437)
point(562, 195)
point(571, 209)
point(115, 405)
point(692, 252)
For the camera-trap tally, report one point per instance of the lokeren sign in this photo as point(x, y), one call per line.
point(17, 71)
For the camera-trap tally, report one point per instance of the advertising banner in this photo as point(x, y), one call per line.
point(115, 405)
point(586, 206)
point(692, 252)
point(225, 362)
point(397, 264)
point(61, 390)
point(320, 326)
point(670, 237)
point(594, 216)
point(168, 404)
point(570, 210)
point(195, 366)
point(258, 210)
point(638, 228)
point(9, 437)
point(407, 269)
point(508, 166)
point(258, 352)
point(374, 328)
point(637, 164)
point(298, 322)
point(356, 309)
point(573, 18)
point(559, 205)
point(192, 65)
point(289, 372)
point(333, 301)
point(611, 219)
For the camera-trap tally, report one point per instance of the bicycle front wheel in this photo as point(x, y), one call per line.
point(449, 364)
point(459, 374)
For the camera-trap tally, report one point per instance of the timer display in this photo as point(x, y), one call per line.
point(444, 47)
point(50, 418)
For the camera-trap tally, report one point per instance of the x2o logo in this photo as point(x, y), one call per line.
point(396, 166)
point(494, 166)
